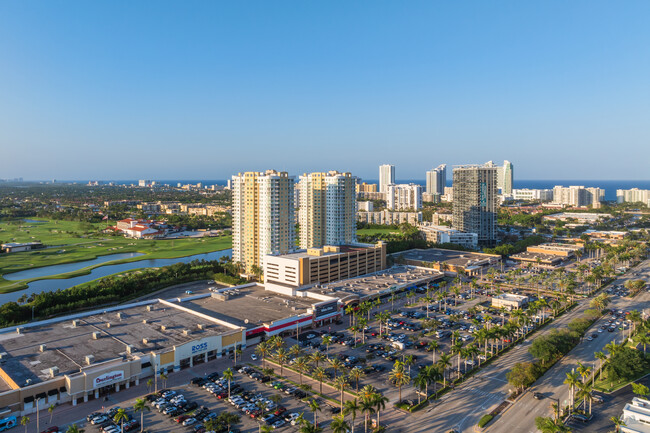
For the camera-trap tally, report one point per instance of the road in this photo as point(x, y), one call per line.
point(521, 416)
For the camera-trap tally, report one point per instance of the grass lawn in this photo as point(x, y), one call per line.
point(370, 232)
point(73, 242)
point(607, 386)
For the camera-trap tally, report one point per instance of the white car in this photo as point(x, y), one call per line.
point(254, 357)
point(189, 421)
point(292, 417)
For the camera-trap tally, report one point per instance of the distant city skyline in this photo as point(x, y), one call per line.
point(121, 90)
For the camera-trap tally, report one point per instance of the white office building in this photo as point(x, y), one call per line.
point(636, 416)
point(436, 180)
point(578, 196)
point(386, 176)
point(634, 195)
point(447, 235)
point(404, 197)
point(532, 194)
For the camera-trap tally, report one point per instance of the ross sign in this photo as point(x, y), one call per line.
point(198, 348)
point(108, 378)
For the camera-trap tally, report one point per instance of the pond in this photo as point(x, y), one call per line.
point(49, 285)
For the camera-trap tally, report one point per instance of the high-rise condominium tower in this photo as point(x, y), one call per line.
point(327, 209)
point(475, 201)
point(262, 217)
point(386, 176)
point(436, 180)
point(504, 180)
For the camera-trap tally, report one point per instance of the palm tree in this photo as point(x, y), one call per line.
point(73, 429)
point(141, 406)
point(457, 349)
point(336, 365)
point(367, 408)
point(600, 356)
point(307, 427)
point(320, 374)
point(341, 383)
point(642, 338)
point(316, 358)
point(379, 400)
point(314, 407)
point(281, 356)
point(327, 340)
point(357, 374)
point(433, 347)
point(263, 428)
point(399, 377)
point(164, 378)
point(421, 382)
point(24, 421)
point(618, 423)
point(444, 362)
point(351, 407)
point(149, 385)
point(263, 351)
point(50, 410)
point(120, 417)
point(584, 393)
point(339, 424)
point(228, 375)
point(550, 425)
point(301, 365)
point(573, 380)
point(295, 351)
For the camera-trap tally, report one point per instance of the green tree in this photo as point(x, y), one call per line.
point(339, 424)
point(399, 377)
point(24, 421)
point(120, 417)
point(72, 428)
point(141, 406)
point(314, 407)
point(351, 407)
point(228, 375)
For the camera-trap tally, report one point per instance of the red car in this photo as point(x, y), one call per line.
point(53, 429)
point(181, 418)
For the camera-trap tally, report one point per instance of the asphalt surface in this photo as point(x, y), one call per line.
point(521, 416)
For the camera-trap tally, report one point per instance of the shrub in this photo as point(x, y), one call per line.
point(484, 420)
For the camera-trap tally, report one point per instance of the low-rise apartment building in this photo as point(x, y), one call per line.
point(447, 235)
point(387, 217)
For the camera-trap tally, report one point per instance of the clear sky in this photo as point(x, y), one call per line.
point(204, 89)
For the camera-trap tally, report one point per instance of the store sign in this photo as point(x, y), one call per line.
point(108, 378)
point(199, 348)
point(325, 309)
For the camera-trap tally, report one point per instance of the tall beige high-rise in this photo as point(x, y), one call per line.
point(327, 209)
point(263, 216)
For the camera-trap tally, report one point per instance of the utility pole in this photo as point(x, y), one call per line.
point(38, 429)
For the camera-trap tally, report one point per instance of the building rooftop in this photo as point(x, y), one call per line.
point(252, 307)
point(463, 259)
point(327, 250)
point(377, 283)
point(67, 345)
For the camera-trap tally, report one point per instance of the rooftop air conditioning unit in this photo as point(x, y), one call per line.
point(163, 328)
point(145, 321)
point(90, 359)
point(108, 324)
point(149, 307)
point(200, 327)
point(119, 315)
point(54, 371)
point(186, 332)
point(97, 335)
point(130, 349)
point(42, 348)
point(4, 355)
point(20, 330)
point(145, 341)
point(75, 323)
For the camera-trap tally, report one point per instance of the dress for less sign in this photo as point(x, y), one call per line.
point(108, 378)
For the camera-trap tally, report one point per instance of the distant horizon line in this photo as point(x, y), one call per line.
point(11, 180)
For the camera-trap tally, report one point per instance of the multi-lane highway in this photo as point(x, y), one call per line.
point(521, 416)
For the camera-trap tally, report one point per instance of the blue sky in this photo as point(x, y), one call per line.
point(204, 89)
